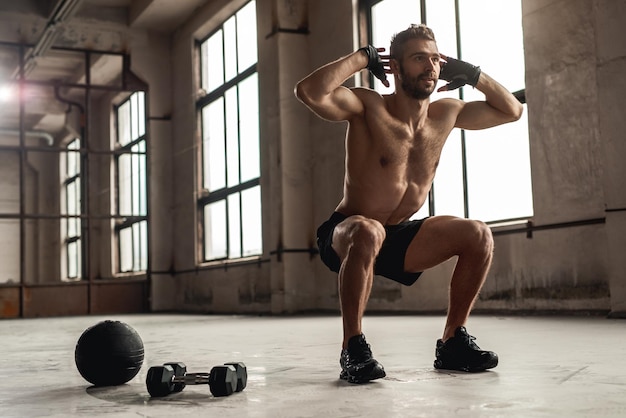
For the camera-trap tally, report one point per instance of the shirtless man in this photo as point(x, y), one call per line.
point(393, 145)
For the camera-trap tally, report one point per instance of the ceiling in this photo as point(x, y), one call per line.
point(47, 24)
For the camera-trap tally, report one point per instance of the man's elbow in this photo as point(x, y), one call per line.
point(519, 111)
point(516, 111)
point(301, 92)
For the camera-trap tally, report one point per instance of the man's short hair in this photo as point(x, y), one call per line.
point(414, 31)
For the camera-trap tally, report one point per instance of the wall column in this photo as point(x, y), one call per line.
point(611, 63)
point(290, 173)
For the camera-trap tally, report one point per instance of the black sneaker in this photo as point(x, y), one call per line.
point(462, 353)
point(357, 363)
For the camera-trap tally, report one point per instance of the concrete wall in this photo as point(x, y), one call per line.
point(609, 18)
point(573, 89)
point(568, 97)
point(575, 54)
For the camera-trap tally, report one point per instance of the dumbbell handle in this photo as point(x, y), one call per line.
point(192, 378)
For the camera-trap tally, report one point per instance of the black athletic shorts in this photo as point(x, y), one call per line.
point(390, 259)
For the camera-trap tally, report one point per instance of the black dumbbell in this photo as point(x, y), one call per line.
point(173, 377)
point(242, 375)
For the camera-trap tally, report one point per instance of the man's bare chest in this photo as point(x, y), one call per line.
point(401, 148)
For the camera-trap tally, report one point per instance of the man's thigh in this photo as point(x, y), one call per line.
point(439, 239)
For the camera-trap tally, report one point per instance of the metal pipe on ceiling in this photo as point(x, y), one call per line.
point(29, 134)
point(63, 10)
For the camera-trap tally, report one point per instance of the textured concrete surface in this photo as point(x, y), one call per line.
point(549, 367)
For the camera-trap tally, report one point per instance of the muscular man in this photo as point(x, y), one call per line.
point(393, 145)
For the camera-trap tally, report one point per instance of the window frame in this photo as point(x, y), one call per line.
point(366, 32)
point(72, 261)
point(206, 197)
point(138, 217)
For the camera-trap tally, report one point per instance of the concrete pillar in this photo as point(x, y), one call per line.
point(611, 63)
point(291, 223)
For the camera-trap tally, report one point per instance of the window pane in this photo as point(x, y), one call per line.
point(141, 113)
point(124, 179)
point(134, 195)
point(423, 212)
point(232, 136)
point(498, 159)
point(213, 62)
point(73, 159)
point(134, 128)
point(230, 49)
point(73, 166)
point(478, 41)
point(73, 208)
point(143, 250)
point(387, 21)
point(143, 181)
point(449, 195)
point(71, 198)
point(79, 259)
point(123, 123)
point(246, 36)
point(73, 260)
point(138, 180)
point(234, 226)
point(215, 230)
point(251, 221)
point(73, 227)
point(10, 240)
point(126, 249)
point(249, 125)
point(140, 239)
point(499, 177)
point(204, 66)
point(439, 15)
point(213, 145)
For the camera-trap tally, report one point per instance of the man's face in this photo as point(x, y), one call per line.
point(418, 70)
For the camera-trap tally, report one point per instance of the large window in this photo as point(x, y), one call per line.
point(230, 199)
point(132, 200)
point(482, 174)
point(71, 205)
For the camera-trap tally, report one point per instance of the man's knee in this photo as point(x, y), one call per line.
point(482, 236)
point(359, 234)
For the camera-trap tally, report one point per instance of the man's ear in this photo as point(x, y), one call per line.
point(394, 66)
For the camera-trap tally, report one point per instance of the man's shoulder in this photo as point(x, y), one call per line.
point(447, 101)
point(445, 104)
point(366, 93)
point(371, 98)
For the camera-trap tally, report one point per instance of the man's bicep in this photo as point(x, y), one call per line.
point(480, 115)
point(341, 104)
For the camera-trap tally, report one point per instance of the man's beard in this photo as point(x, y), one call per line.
point(411, 86)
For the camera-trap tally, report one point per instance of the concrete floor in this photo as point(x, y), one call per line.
point(549, 367)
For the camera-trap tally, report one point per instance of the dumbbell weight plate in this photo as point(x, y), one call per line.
point(179, 370)
point(223, 380)
point(242, 375)
point(159, 381)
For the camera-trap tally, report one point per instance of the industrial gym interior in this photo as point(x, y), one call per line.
point(117, 202)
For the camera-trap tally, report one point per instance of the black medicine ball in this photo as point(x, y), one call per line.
point(109, 353)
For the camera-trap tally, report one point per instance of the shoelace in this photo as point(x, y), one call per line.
point(469, 340)
point(361, 353)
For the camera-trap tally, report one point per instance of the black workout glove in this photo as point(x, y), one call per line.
point(375, 63)
point(459, 73)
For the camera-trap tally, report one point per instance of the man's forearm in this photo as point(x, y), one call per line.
point(499, 97)
point(329, 77)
